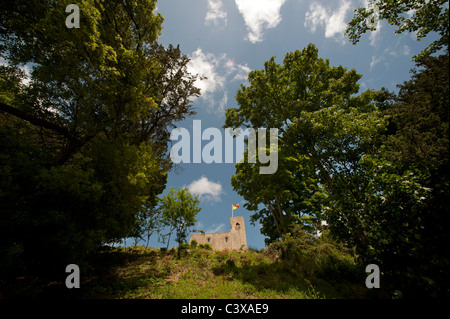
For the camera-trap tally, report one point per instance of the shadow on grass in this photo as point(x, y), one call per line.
point(123, 271)
point(151, 273)
point(289, 278)
point(135, 273)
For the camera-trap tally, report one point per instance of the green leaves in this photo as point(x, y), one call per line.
point(419, 16)
point(178, 211)
point(394, 208)
point(94, 122)
point(324, 130)
point(372, 164)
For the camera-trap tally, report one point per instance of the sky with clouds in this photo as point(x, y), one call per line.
point(226, 39)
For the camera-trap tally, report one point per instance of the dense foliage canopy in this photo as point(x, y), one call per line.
point(373, 165)
point(84, 136)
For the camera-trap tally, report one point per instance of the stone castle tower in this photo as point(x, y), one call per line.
point(234, 239)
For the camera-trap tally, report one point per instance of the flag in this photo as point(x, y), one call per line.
point(235, 206)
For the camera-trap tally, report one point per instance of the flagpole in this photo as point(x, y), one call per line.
point(232, 211)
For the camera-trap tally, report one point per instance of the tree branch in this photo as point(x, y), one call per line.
point(74, 142)
point(38, 121)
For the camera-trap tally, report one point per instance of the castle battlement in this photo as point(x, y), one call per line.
point(234, 239)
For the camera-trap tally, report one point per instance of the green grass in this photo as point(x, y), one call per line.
point(201, 273)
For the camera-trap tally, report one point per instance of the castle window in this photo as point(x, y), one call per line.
point(238, 226)
point(226, 239)
point(209, 239)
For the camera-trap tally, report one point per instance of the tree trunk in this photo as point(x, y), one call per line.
point(170, 234)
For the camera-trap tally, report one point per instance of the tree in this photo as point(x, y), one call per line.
point(408, 208)
point(178, 211)
point(420, 16)
point(373, 165)
point(78, 72)
point(148, 222)
point(324, 130)
point(84, 138)
point(409, 174)
point(291, 195)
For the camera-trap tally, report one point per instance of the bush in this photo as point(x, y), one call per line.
point(314, 256)
point(182, 249)
point(183, 246)
point(205, 246)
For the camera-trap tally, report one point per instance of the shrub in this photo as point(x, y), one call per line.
point(313, 256)
point(184, 246)
point(205, 246)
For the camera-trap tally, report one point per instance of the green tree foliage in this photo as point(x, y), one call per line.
point(420, 16)
point(409, 177)
point(291, 195)
point(374, 165)
point(406, 206)
point(84, 138)
point(324, 129)
point(390, 202)
point(316, 256)
point(178, 210)
point(148, 222)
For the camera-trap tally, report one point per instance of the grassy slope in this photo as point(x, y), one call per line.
point(200, 273)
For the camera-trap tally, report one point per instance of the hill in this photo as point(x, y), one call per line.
point(204, 273)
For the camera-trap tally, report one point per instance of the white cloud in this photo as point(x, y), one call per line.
point(206, 189)
point(216, 228)
point(374, 36)
point(396, 51)
point(390, 51)
point(317, 15)
point(406, 50)
point(216, 72)
point(375, 61)
point(239, 72)
point(332, 19)
point(216, 15)
point(206, 64)
point(258, 15)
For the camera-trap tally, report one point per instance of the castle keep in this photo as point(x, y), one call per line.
point(234, 239)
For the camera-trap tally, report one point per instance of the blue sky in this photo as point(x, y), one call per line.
point(225, 39)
